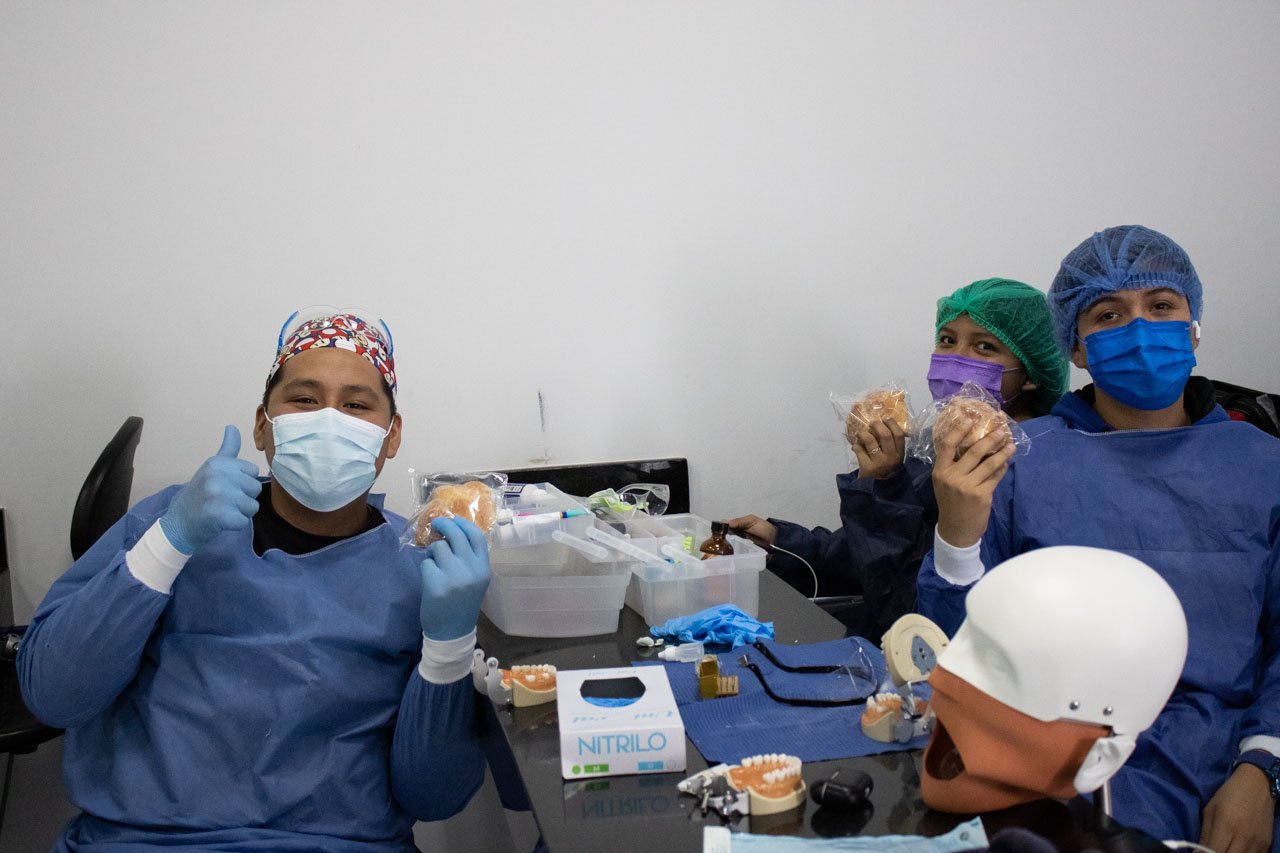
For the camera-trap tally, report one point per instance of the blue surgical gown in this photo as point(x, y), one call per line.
point(267, 703)
point(886, 527)
point(1200, 505)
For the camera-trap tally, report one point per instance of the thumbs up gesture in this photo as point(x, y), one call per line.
point(220, 497)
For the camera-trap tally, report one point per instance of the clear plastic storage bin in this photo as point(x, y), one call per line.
point(555, 590)
point(689, 584)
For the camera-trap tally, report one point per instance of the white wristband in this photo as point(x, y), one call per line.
point(1268, 742)
point(959, 566)
point(445, 661)
point(154, 561)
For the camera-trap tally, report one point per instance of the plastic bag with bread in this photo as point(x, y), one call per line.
point(971, 413)
point(859, 411)
point(476, 497)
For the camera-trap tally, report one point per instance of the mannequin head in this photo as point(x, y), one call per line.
point(1066, 654)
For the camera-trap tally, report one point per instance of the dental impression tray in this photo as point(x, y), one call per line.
point(760, 785)
point(911, 647)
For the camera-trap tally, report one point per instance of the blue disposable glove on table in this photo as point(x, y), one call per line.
point(455, 575)
point(723, 624)
point(220, 497)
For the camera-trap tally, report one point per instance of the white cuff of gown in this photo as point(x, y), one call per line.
point(445, 661)
point(1268, 742)
point(154, 561)
point(959, 566)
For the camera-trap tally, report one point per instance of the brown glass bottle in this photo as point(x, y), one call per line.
point(717, 545)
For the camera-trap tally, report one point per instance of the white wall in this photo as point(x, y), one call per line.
point(682, 223)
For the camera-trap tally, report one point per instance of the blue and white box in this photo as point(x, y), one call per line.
point(618, 721)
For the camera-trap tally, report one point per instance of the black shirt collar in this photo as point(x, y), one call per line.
point(272, 531)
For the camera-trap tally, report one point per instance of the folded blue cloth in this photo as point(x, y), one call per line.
point(727, 729)
point(723, 624)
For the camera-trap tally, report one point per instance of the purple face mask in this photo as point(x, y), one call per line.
point(948, 372)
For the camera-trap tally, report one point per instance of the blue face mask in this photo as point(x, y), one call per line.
point(1143, 364)
point(325, 459)
point(948, 372)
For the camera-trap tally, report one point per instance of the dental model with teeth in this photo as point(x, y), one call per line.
point(772, 783)
point(911, 647)
point(523, 685)
point(531, 685)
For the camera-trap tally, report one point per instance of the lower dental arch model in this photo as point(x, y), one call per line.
point(760, 785)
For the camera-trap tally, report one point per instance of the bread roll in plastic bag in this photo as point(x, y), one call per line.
point(971, 413)
point(476, 497)
point(859, 411)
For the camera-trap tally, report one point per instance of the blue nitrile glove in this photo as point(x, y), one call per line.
point(723, 624)
point(455, 575)
point(219, 497)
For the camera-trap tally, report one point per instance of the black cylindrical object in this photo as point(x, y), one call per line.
point(850, 793)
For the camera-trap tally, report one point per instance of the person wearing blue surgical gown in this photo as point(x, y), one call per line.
point(1143, 461)
point(240, 665)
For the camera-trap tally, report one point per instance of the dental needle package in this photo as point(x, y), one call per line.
point(619, 721)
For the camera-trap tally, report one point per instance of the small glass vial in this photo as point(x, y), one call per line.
point(717, 545)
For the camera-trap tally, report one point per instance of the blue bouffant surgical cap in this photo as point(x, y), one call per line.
point(1126, 257)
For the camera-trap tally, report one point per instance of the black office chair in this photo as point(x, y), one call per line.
point(1245, 404)
point(103, 499)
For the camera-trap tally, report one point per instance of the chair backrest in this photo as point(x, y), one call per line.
point(104, 498)
point(583, 480)
point(1245, 404)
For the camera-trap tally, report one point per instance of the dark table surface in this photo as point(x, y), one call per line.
point(647, 812)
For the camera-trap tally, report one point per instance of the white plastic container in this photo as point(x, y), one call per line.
point(555, 590)
point(659, 593)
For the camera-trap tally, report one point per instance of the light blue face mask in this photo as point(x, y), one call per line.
point(325, 459)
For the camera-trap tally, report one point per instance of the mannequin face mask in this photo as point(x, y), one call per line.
point(1143, 364)
point(985, 755)
point(325, 459)
point(948, 372)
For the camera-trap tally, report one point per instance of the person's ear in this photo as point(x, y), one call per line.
point(393, 437)
point(1104, 760)
point(1195, 334)
point(260, 428)
point(1078, 356)
point(1029, 386)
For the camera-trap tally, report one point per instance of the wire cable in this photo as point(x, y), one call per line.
point(806, 565)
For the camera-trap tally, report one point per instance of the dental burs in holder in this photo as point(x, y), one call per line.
point(711, 684)
point(911, 647)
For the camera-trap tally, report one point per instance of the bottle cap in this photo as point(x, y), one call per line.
point(719, 527)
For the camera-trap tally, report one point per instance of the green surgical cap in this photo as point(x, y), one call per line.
point(1018, 315)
